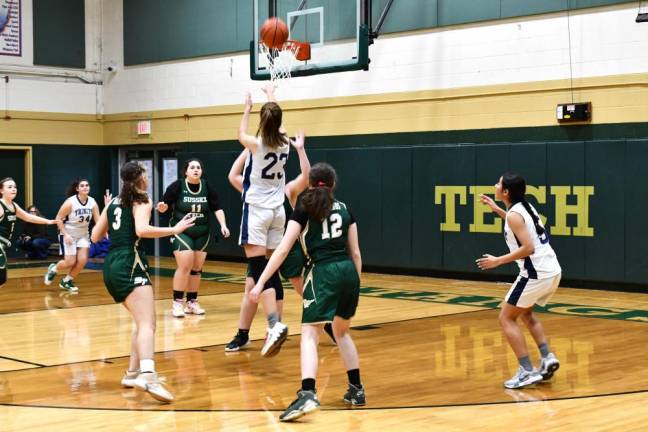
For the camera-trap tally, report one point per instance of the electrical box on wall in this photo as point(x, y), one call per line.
point(574, 112)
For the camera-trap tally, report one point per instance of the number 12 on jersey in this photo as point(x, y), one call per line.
point(335, 227)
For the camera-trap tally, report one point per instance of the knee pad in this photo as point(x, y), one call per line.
point(279, 288)
point(195, 272)
point(257, 265)
point(3, 276)
point(275, 282)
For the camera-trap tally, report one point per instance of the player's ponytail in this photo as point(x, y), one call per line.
point(536, 220)
point(516, 187)
point(270, 125)
point(131, 193)
point(318, 198)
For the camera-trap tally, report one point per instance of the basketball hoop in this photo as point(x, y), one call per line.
point(281, 61)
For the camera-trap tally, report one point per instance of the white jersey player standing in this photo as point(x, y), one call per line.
point(539, 277)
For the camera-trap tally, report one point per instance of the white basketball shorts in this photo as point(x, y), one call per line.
point(261, 226)
point(526, 292)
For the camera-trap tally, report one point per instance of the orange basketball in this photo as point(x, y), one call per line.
point(274, 33)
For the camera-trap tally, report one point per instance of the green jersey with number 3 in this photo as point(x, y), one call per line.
point(121, 226)
point(326, 241)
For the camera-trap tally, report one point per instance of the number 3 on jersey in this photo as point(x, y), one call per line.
point(117, 223)
point(335, 231)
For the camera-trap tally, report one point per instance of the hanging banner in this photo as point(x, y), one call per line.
point(10, 28)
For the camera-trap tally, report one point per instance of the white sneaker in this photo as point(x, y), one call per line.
point(178, 310)
point(523, 378)
point(149, 382)
point(274, 339)
point(548, 365)
point(128, 379)
point(50, 275)
point(193, 307)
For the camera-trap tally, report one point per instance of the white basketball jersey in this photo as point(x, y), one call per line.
point(264, 177)
point(77, 222)
point(543, 263)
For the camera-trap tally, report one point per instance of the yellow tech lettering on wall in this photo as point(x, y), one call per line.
point(451, 196)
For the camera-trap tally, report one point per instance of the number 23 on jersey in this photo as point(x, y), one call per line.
point(274, 158)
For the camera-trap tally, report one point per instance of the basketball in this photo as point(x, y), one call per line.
point(274, 33)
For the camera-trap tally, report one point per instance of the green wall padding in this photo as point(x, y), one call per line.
point(59, 33)
point(391, 191)
point(162, 30)
point(55, 168)
point(12, 164)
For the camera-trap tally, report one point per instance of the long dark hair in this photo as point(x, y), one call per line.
point(318, 199)
point(270, 124)
point(185, 166)
point(131, 175)
point(516, 187)
point(71, 189)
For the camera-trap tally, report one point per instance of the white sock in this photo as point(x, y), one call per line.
point(67, 278)
point(147, 365)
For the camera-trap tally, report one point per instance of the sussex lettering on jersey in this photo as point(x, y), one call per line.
point(194, 199)
point(569, 201)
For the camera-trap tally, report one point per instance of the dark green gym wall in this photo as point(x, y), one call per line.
point(59, 33)
point(56, 166)
point(161, 30)
point(12, 164)
point(392, 194)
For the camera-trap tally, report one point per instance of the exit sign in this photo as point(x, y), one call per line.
point(144, 127)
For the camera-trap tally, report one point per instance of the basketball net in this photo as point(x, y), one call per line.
point(281, 60)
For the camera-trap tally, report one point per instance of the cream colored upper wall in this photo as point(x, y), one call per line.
point(616, 99)
point(53, 89)
point(507, 73)
point(604, 41)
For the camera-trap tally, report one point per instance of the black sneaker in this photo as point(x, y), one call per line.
point(305, 403)
point(239, 341)
point(355, 395)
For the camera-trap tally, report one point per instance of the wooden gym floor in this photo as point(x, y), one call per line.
point(432, 358)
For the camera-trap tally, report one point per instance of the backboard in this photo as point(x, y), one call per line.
point(335, 30)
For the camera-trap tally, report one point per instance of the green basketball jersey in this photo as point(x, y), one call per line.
point(325, 241)
point(121, 226)
point(7, 222)
point(196, 203)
